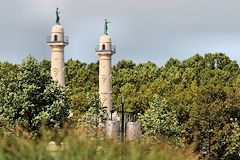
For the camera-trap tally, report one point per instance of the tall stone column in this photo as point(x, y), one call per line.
point(57, 41)
point(105, 50)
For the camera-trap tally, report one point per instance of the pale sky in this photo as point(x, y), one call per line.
point(142, 30)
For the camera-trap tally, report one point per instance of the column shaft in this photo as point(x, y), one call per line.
point(57, 64)
point(105, 81)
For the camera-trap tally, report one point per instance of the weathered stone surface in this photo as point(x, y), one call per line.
point(112, 129)
point(133, 131)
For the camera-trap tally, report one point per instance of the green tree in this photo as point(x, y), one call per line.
point(161, 119)
point(92, 119)
point(34, 99)
point(8, 72)
point(81, 78)
point(233, 142)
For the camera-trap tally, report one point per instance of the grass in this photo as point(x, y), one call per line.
point(79, 147)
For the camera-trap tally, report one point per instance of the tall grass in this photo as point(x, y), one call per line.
point(78, 147)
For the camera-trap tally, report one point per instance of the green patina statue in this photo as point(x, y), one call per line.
point(57, 17)
point(106, 27)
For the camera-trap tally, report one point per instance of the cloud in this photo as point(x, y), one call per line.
point(142, 30)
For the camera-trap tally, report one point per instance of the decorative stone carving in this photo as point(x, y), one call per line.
point(110, 77)
point(55, 72)
point(103, 77)
point(104, 98)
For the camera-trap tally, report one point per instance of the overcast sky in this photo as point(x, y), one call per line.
point(142, 30)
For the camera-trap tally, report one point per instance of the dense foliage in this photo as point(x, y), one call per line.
point(91, 122)
point(202, 90)
point(199, 95)
point(160, 120)
point(31, 99)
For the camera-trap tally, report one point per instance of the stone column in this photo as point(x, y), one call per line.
point(57, 41)
point(105, 52)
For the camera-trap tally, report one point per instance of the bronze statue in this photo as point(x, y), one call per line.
point(57, 17)
point(106, 27)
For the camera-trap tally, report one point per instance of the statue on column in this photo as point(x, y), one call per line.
point(106, 27)
point(57, 17)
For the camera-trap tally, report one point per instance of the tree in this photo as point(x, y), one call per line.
point(34, 99)
point(92, 119)
point(233, 142)
point(80, 79)
point(8, 72)
point(160, 119)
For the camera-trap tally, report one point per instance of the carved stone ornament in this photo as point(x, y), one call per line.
point(103, 77)
point(55, 72)
point(110, 77)
point(104, 98)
